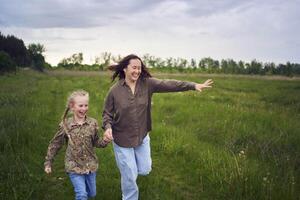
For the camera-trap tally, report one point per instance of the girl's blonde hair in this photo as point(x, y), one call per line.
point(70, 100)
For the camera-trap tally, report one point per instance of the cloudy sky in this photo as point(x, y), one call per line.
point(266, 30)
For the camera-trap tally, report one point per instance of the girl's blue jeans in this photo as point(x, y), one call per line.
point(131, 163)
point(84, 185)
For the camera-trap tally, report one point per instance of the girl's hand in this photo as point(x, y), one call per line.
point(207, 84)
point(108, 135)
point(48, 169)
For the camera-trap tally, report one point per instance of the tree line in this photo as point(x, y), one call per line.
point(203, 65)
point(101, 62)
point(14, 54)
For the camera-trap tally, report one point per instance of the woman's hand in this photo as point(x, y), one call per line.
point(107, 136)
point(48, 169)
point(207, 84)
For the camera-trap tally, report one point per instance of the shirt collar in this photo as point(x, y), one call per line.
point(123, 82)
point(86, 121)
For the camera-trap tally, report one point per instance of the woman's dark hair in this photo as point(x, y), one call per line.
point(118, 68)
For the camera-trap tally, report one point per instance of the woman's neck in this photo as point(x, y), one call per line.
point(130, 83)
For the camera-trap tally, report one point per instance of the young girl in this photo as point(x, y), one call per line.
point(81, 134)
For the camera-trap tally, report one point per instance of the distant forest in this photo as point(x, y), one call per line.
point(14, 54)
point(182, 65)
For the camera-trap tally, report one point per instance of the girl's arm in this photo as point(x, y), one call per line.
point(55, 144)
point(98, 142)
point(159, 85)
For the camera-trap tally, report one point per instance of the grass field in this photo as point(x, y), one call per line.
point(239, 140)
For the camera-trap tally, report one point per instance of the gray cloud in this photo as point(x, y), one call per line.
point(206, 8)
point(93, 13)
point(267, 30)
point(49, 14)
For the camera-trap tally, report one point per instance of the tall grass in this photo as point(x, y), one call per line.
point(239, 140)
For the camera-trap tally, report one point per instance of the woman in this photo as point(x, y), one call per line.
point(127, 118)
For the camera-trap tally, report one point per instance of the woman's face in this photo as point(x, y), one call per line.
point(80, 106)
point(133, 70)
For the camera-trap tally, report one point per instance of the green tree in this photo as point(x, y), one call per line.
point(241, 67)
point(77, 59)
point(16, 49)
point(270, 68)
point(232, 66)
point(224, 66)
point(36, 54)
point(6, 63)
point(193, 63)
point(64, 63)
point(35, 49)
point(105, 59)
point(255, 67)
point(209, 64)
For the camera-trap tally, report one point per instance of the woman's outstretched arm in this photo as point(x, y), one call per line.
point(166, 85)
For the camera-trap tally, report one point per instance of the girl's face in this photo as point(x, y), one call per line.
point(133, 70)
point(80, 106)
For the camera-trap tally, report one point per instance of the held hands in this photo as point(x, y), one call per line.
point(48, 169)
point(107, 137)
point(207, 84)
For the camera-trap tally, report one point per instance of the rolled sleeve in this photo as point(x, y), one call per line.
point(108, 112)
point(97, 141)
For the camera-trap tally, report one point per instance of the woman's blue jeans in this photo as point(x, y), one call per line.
point(131, 163)
point(84, 185)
